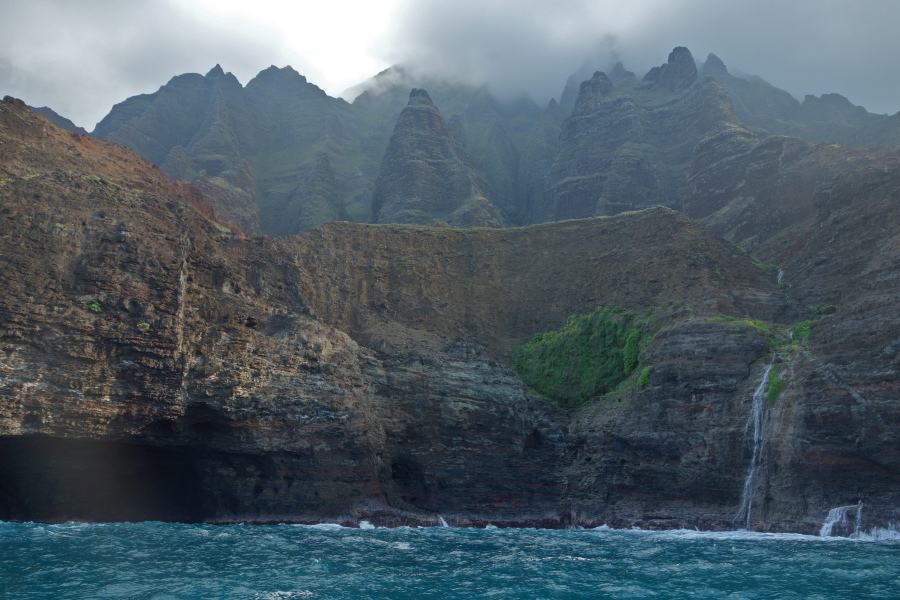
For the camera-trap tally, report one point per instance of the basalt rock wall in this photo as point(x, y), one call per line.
point(825, 217)
point(157, 364)
point(147, 347)
point(500, 287)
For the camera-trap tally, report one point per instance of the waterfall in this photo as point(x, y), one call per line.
point(443, 521)
point(757, 414)
point(780, 275)
point(838, 516)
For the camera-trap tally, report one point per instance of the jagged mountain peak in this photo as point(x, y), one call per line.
point(286, 72)
point(714, 66)
point(378, 84)
point(419, 97)
point(833, 99)
point(428, 175)
point(598, 84)
point(681, 59)
point(591, 91)
point(216, 71)
point(620, 76)
point(214, 123)
point(678, 73)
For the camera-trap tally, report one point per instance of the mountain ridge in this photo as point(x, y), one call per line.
point(258, 145)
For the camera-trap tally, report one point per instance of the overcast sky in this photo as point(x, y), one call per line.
point(82, 56)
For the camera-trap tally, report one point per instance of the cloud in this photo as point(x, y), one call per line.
point(81, 58)
point(516, 45)
point(804, 46)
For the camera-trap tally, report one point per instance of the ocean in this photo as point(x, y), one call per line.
point(166, 561)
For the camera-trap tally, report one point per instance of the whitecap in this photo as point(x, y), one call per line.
point(321, 526)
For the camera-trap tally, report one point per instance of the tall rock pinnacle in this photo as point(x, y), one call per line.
point(426, 175)
point(679, 73)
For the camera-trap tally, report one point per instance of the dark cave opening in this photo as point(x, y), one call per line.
point(53, 480)
point(410, 480)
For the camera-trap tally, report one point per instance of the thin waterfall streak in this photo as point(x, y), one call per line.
point(756, 416)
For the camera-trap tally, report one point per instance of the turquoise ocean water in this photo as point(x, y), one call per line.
point(174, 561)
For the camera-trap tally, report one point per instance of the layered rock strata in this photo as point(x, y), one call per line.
point(157, 364)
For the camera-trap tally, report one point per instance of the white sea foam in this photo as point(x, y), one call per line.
point(694, 534)
point(320, 526)
point(878, 534)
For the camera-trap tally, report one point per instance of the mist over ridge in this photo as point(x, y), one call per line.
point(804, 47)
point(81, 60)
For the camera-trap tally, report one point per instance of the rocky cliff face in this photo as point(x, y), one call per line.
point(500, 287)
point(626, 148)
point(768, 110)
point(158, 365)
point(824, 216)
point(427, 173)
point(111, 341)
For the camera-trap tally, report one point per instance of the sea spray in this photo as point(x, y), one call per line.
point(838, 516)
point(837, 524)
point(756, 415)
point(880, 534)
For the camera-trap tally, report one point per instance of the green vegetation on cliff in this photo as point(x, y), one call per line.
point(590, 356)
point(774, 388)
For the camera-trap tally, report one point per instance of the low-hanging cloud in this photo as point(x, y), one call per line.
point(804, 46)
point(514, 45)
point(80, 58)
